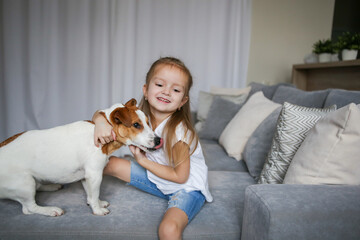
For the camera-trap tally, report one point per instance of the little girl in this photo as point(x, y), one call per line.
point(177, 172)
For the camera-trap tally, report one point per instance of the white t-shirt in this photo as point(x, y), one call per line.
point(198, 178)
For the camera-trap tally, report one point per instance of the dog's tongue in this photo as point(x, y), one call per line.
point(160, 144)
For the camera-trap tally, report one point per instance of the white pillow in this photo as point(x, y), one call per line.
point(330, 152)
point(239, 129)
point(230, 91)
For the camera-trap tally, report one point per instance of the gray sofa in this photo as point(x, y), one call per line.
point(241, 208)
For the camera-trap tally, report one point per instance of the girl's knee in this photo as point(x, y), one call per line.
point(169, 229)
point(173, 224)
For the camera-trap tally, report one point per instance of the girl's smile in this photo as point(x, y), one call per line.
point(163, 100)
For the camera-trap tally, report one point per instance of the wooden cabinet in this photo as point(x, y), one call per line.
point(318, 76)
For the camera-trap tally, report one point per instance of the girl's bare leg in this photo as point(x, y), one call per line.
point(118, 167)
point(173, 224)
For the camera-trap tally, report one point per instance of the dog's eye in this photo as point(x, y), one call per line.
point(136, 125)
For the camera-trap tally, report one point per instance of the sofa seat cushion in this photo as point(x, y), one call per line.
point(217, 159)
point(134, 214)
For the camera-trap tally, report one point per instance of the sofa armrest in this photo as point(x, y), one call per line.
point(301, 212)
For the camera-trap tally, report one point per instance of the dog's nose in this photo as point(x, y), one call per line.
point(157, 140)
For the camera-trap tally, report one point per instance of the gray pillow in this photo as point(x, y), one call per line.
point(292, 127)
point(259, 144)
point(342, 98)
point(299, 97)
point(220, 113)
point(205, 101)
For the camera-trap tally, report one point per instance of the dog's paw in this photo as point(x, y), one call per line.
point(101, 212)
point(104, 204)
point(47, 211)
point(55, 212)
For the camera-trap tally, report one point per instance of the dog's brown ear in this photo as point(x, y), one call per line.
point(121, 116)
point(131, 103)
point(111, 147)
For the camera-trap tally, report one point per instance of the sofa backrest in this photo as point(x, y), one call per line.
point(266, 89)
point(300, 97)
point(342, 98)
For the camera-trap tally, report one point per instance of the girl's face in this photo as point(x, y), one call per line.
point(166, 90)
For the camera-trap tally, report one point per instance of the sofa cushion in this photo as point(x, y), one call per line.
point(259, 144)
point(220, 113)
point(240, 128)
point(299, 97)
point(217, 159)
point(134, 214)
point(292, 127)
point(330, 153)
point(342, 97)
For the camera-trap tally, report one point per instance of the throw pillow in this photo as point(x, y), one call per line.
point(293, 125)
point(230, 91)
point(330, 153)
point(220, 114)
point(206, 100)
point(259, 144)
point(240, 128)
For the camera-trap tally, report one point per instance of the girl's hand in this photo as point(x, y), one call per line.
point(178, 174)
point(138, 154)
point(103, 132)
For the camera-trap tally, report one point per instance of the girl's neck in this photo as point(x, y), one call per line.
point(158, 119)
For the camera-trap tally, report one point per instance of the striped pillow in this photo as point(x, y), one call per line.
point(293, 125)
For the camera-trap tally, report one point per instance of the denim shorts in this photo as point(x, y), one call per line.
point(189, 202)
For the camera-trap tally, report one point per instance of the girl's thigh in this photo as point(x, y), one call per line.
point(140, 180)
point(189, 202)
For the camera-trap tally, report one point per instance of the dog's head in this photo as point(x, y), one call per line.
point(131, 127)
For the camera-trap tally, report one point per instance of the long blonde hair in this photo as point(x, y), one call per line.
point(182, 115)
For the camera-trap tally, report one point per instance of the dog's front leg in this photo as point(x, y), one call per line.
point(102, 204)
point(91, 184)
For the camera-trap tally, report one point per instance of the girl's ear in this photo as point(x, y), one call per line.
point(145, 90)
point(185, 99)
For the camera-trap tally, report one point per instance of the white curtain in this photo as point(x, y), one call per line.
point(61, 60)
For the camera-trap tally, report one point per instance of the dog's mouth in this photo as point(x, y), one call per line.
point(158, 144)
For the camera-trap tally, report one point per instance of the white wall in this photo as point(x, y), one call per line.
point(282, 34)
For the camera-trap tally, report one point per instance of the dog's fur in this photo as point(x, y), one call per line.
point(67, 154)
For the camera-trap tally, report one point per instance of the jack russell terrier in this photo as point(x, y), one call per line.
point(67, 154)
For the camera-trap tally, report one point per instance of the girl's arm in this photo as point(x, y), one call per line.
point(103, 132)
point(178, 174)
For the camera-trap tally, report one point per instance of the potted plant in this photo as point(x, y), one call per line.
point(324, 50)
point(349, 44)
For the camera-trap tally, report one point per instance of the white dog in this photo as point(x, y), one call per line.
point(67, 154)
